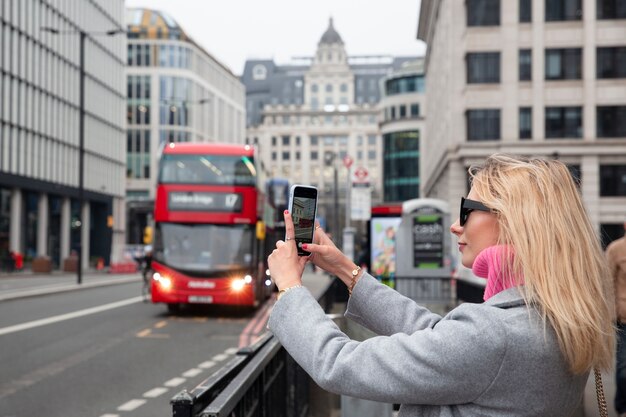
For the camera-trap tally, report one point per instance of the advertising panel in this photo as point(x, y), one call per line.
point(383, 231)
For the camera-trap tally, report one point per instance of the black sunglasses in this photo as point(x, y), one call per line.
point(467, 206)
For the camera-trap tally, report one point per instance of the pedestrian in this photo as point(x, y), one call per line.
point(616, 254)
point(526, 351)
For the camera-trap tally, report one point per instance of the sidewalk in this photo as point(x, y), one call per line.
point(27, 284)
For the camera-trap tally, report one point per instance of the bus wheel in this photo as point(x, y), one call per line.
point(173, 308)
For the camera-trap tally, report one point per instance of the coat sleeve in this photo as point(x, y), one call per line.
point(385, 311)
point(452, 362)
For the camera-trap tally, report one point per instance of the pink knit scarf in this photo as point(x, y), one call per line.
point(488, 264)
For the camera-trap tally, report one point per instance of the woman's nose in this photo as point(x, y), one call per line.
point(456, 228)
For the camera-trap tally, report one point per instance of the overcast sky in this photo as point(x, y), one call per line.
point(236, 30)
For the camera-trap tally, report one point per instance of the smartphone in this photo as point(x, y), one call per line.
point(303, 208)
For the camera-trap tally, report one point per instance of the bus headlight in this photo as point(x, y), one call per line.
point(156, 276)
point(268, 282)
point(267, 272)
point(247, 279)
point(237, 284)
point(165, 283)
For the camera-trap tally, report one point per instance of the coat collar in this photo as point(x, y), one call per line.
point(510, 297)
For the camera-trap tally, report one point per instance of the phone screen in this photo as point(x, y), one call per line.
point(303, 207)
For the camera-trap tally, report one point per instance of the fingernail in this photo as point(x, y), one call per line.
point(286, 211)
point(304, 246)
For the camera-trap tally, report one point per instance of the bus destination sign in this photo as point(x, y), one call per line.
point(205, 201)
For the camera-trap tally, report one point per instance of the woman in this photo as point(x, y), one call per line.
point(526, 351)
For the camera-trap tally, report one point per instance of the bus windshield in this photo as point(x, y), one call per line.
point(207, 169)
point(204, 248)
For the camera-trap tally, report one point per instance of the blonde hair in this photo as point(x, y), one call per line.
point(557, 253)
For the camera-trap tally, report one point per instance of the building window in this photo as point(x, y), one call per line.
point(564, 64)
point(611, 121)
point(557, 10)
point(483, 67)
point(402, 111)
point(612, 180)
point(285, 140)
point(483, 12)
point(343, 88)
point(371, 140)
point(273, 140)
point(329, 88)
point(525, 65)
point(525, 11)
point(297, 156)
point(393, 113)
point(371, 155)
point(483, 124)
point(415, 110)
point(610, 232)
point(525, 123)
point(314, 88)
point(273, 156)
point(409, 84)
point(285, 156)
point(564, 122)
point(611, 62)
point(314, 140)
point(314, 155)
point(611, 9)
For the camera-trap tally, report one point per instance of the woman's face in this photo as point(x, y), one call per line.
point(480, 231)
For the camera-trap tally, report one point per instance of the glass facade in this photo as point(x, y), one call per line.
point(401, 166)
point(40, 112)
point(403, 85)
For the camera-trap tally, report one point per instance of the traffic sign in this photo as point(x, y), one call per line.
point(360, 175)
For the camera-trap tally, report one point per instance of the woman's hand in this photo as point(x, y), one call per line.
point(285, 265)
point(325, 254)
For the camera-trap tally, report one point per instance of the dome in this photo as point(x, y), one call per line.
point(331, 36)
point(153, 24)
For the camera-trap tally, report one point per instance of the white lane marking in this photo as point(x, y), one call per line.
point(206, 365)
point(155, 392)
point(231, 351)
point(68, 316)
point(174, 382)
point(110, 415)
point(192, 372)
point(131, 405)
point(219, 358)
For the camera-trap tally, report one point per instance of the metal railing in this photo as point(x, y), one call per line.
point(261, 380)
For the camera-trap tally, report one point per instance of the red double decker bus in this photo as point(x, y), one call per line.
point(206, 248)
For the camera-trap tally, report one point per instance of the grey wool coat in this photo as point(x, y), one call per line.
point(490, 359)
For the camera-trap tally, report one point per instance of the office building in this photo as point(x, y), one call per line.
point(40, 115)
point(305, 117)
point(177, 92)
point(533, 77)
point(402, 125)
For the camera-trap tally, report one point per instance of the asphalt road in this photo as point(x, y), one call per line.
point(102, 352)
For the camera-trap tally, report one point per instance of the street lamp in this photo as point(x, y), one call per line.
point(81, 130)
point(329, 159)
